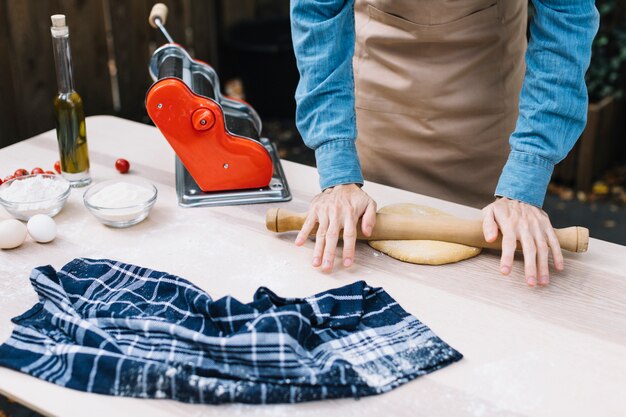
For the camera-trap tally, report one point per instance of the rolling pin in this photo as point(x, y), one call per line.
point(446, 229)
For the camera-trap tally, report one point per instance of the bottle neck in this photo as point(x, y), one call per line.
point(63, 61)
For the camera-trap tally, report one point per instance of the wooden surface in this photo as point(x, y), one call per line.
point(555, 351)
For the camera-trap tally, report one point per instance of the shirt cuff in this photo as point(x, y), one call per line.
point(338, 163)
point(525, 178)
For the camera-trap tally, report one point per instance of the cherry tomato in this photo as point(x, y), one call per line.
point(1, 181)
point(122, 166)
point(57, 167)
point(50, 172)
point(37, 171)
point(20, 172)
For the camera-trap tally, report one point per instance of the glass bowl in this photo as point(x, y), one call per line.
point(24, 208)
point(118, 213)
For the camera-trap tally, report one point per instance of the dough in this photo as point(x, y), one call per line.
point(427, 252)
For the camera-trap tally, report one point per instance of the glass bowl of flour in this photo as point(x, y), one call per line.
point(121, 203)
point(25, 196)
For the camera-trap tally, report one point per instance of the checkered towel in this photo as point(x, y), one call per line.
point(112, 328)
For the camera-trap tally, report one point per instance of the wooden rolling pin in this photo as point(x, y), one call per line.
point(446, 229)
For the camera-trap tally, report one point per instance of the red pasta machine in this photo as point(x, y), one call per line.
point(221, 158)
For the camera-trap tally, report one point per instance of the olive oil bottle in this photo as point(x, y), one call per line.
point(68, 111)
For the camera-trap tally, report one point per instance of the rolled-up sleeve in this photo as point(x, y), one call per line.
point(553, 100)
point(323, 38)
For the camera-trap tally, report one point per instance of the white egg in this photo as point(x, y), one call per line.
point(12, 234)
point(42, 228)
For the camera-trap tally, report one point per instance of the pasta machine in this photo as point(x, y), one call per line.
point(221, 157)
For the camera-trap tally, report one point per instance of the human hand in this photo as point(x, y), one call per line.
point(531, 226)
point(336, 209)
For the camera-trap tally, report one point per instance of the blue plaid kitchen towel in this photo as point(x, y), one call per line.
point(112, 328)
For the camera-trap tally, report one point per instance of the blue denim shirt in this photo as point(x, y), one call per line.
point(553, 100)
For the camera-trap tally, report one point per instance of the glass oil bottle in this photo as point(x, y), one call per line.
point(68, 111)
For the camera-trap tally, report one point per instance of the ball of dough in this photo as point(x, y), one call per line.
point(42, 228)
point(427, 252)
point(12, 234)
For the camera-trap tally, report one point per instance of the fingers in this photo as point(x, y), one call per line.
point(326, 240)
point(543, 272)
point(531, 227)
point(332, 237)
point(506, 221)
point(490, 227)
point(307, 227)
point(369, 219)
point(530, 256)
point(509, 244)
point(555, 248)
point(337, 210)
point(543, 250)
point(320, 240)
point(349, 239)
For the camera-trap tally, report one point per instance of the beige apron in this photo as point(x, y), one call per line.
point(437, 87)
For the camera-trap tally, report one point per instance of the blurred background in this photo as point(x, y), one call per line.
point(249, 44)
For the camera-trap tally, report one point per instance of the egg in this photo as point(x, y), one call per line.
point(12, 234)
point(42, 228)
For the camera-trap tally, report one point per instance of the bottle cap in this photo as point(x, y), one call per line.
point(59, 27)
point(58, 20)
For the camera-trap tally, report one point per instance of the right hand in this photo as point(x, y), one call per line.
point(335, 209)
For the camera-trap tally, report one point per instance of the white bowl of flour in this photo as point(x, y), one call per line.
point(121, 203)
point(26, 196)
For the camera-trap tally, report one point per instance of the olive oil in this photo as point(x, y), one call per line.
point(68, 111)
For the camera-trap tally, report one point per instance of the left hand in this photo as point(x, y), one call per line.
point(532, 228)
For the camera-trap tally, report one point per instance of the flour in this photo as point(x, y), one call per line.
point(122, 202)
point(120, 195)
point(35, 189)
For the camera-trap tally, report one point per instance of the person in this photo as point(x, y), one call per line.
point(449, 100)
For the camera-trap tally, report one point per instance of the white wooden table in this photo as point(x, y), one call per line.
point(555, 351)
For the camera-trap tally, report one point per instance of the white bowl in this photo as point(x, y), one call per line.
point(121, 216)
point(24, 210)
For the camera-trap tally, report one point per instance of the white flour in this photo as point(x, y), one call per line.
point(33, 189)
point(121, 201)
point(120, 195)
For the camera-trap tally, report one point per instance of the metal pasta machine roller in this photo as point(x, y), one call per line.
point(221, 158)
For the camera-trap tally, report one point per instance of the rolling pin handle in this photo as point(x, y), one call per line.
point(271, 219)
point(159, 11)
point(282, 220)
point(573, 239)
point(582, 241)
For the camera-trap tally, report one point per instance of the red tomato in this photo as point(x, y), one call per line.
point(50, 173)
point(122, 166)
point(57, 167)
point(36, 171)
point(1, 181)
point(20, 172)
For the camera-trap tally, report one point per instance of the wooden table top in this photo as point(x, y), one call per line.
point(554, 351)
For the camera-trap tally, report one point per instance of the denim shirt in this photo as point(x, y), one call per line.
point(553, 100)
